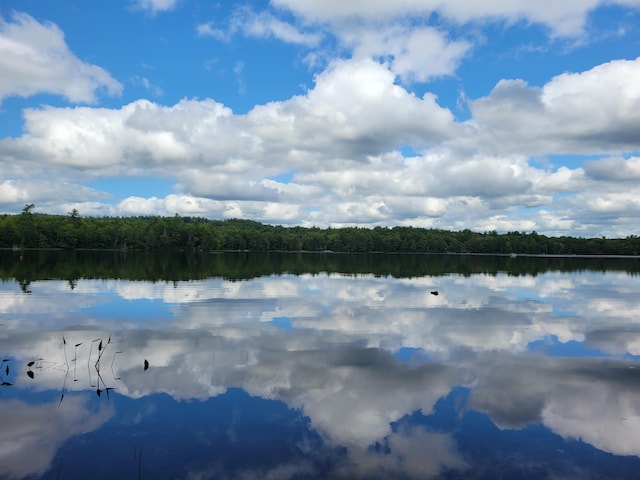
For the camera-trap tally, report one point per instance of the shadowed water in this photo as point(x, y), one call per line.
point(240, 366)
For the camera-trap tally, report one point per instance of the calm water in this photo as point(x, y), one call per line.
point(292, 366)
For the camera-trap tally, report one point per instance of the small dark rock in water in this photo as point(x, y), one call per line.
point(435, 292)
point(146, 364)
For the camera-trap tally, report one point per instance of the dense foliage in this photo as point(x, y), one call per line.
point(34, 230)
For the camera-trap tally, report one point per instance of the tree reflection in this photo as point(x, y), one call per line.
point(175, 267)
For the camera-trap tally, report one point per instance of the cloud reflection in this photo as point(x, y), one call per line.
point(336, 362)
point(31, 434)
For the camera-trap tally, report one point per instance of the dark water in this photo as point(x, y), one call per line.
point(238, 366)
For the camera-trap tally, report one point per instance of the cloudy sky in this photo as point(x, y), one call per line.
point(521, 115)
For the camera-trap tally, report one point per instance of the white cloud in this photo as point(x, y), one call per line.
point(170, 205)
point(354, 110)
point(407, 455)
point(31, 434)
point(137, 136)
point(259, 25)
point(590, 400)
point(265, 25)
point(144, 82)
point(596, 111)
point(594, 208)
point(425, 53)
point(34, 58)
point(208, 30)
point(46, 193)
point(615, 169)
point(563, 18)
point(155, 6)
point(416, 54)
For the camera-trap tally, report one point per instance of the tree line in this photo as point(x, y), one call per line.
point(72, 231)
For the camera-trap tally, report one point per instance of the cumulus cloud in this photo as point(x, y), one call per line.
point(34, 58)
point(15, 193)
point(595, 111)
point(347, 115)
point(614, 169)
point(415, 54)
point(136, 136)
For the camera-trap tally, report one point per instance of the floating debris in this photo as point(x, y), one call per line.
point(146, 365)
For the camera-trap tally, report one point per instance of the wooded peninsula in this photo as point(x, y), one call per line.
point(72, 231)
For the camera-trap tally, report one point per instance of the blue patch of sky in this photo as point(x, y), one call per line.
point(525, 211)
point(562, 312)
point(553, 162)
point(286, 177)
point(271, 71)
point(408, 151)
point(247, 71)
point(282, 322)
point(11, 123)
point(142, 187)
point(410, 354)
point(612, 28)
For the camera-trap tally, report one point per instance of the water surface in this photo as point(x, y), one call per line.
point(318, 366)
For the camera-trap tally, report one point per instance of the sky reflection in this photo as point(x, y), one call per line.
point(321, 375)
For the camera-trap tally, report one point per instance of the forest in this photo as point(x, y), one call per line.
point(28, 230)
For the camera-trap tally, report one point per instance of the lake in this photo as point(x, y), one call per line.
point(286, 366)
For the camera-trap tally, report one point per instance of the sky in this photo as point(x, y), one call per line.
point(492, 115)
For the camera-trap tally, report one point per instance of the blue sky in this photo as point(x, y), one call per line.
point(497, 115)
